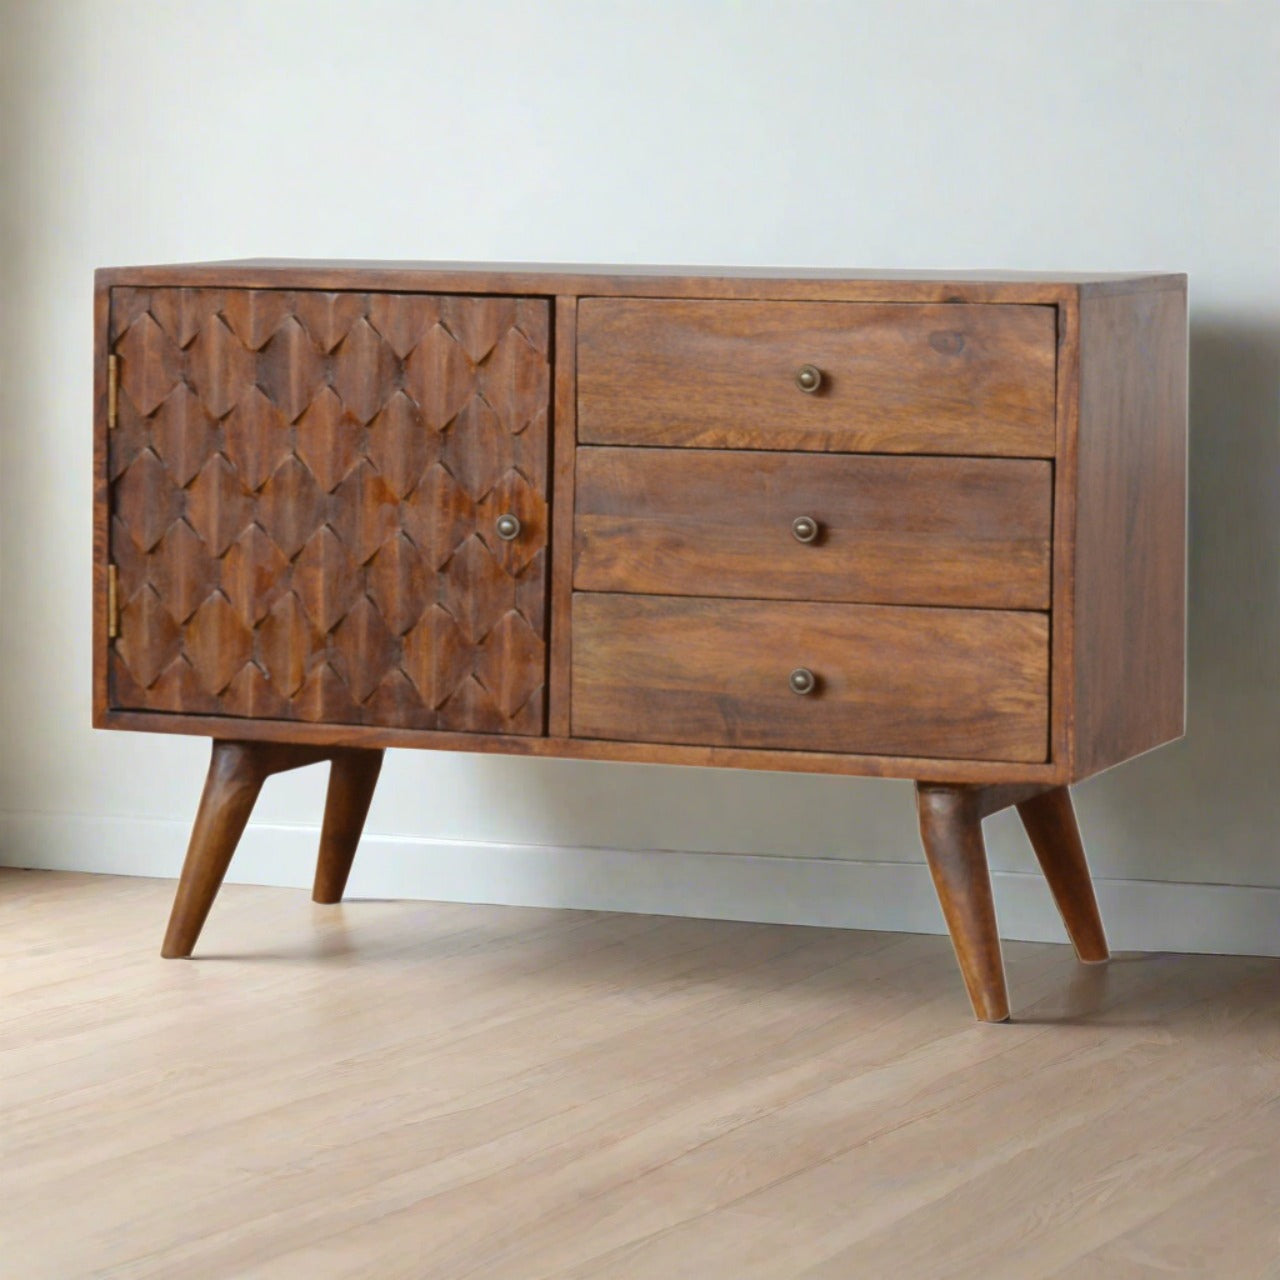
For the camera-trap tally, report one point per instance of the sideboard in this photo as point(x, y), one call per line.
point(875, 523)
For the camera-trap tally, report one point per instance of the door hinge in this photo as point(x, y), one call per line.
point(113, 389)
point(113, 603)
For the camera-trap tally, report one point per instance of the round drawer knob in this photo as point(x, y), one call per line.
point(802, 681)
point(809, 378)
point(805, 529)
point(508, 527)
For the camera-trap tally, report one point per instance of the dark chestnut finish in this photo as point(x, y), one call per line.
point(847, 763)
point(306, 493)
point(236, 774)
point(353, 775)
point(1050, 822)
point(951, 831)
point(892, 378)
point(896, 524)
point(881, 530)
point(564, 462)
point(912, 682)
point(1130, 563)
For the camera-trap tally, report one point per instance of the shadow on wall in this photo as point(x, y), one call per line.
point(1207, 809)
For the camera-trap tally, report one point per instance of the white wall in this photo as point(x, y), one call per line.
point(902, 134)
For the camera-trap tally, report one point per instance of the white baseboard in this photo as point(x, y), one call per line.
point(1141, 915)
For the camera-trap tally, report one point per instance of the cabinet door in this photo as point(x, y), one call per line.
point(305, 494)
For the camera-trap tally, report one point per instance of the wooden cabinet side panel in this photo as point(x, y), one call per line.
point(101, 509)
point(1130, 548)
point(304, 489)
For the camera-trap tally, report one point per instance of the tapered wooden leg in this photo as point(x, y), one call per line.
point(236, 774)
point(352, 778)
point(951, 831)
point(1051, 826)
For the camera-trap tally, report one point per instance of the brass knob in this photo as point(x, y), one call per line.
point(804, 528)
point(802, 681)
point(809, 378)
point(508, 527)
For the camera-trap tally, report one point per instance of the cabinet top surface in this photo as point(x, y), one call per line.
point(612, 278)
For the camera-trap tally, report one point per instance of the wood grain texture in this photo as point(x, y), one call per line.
point(101, 505)
point(353, 775)
point(848, 763)
point(564, 463)
point(236, 774)
point(299, 503)
point(896, 378)
point(890, 681)
point(1083, 665)
point(951, 832)
point(1130, 547)
point(1065, 478)
point(237, 771)
point(1050, 822)
point(942, 531)
point(1005, 795)
point(667, 1098)
point(304, 488)
point(614, 280)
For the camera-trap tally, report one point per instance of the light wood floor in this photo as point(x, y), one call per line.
point(399, 1089)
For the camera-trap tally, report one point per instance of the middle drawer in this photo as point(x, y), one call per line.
point(870, 528)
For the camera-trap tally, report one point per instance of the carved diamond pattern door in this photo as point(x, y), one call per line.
point(305, 489)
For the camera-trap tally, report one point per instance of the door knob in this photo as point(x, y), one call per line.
point(802, 681)
point(805, 529)
point(809, 378)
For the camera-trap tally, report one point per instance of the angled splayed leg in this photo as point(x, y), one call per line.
point(1050, 822)
point(236, 774)
point(951, 831)
point(353, 776)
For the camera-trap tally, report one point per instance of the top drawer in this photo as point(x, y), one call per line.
point(957, 378)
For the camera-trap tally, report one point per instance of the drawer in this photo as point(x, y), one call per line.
point(950, 378)
point(888, 530)
point(953, 683)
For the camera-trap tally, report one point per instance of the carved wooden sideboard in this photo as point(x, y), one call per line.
point(910, 526)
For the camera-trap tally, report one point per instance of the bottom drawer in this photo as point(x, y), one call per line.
point(968, 684)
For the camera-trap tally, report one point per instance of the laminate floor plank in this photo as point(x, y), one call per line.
point(407, 1089)
point(801, 1153)
point(1211, 1231)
